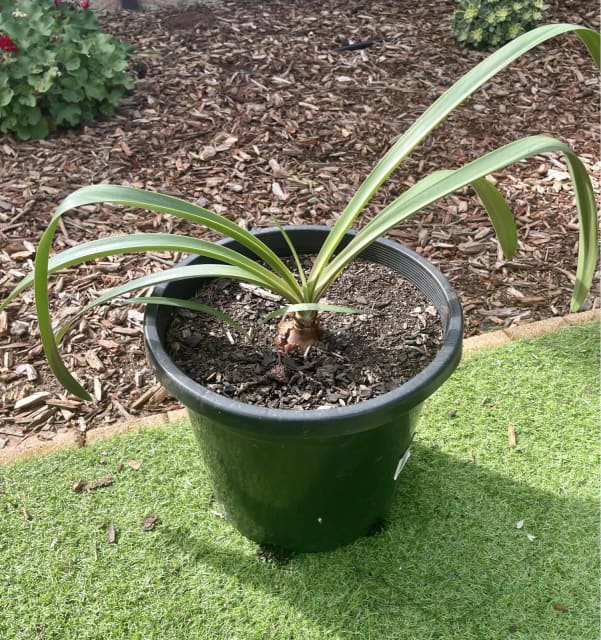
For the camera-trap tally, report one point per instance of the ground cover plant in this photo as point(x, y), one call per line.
point(494, 532)
point(491, 23)
point(220, 116)
point(59, 68)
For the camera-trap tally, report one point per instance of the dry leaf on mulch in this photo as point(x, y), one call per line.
point(111, 534)
point(82, 485)
point(511, 434)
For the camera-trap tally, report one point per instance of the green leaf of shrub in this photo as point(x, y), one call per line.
point(72, 64)
point(67, 114)
point(72, 95)
point(6, 95)
point(27, 100)
point(66, 50)
point(39, 129)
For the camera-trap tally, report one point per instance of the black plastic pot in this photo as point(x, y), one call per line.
point(309, 480)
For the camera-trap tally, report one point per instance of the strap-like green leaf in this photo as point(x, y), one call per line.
point(293, 252)
point(403, 208)
point(139, 198)
point(500, 215)
point(142, 242)
point(307, 306)
point(49, 343)
point(588, 242)
point(434, 115)
point(492, 199)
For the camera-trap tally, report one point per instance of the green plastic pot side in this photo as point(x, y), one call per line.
point(318, 479)
point(305, 493)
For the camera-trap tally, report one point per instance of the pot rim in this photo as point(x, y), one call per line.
point(196, 397)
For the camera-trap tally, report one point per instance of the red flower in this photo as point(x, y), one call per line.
point(57, 3)
point(6, 44)
point(84, 4)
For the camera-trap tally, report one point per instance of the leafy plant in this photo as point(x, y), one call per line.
point(303, 294)
point(491, 23)
point(57, 67)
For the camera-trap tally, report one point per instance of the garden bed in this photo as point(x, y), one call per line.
point(250, 110)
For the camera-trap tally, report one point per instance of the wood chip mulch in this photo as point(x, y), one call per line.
point(358, 356)
point(261, 109)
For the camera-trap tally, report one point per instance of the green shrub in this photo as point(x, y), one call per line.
point(57, 67)
point(491, 23)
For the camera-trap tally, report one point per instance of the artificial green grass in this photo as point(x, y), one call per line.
point(451, 564)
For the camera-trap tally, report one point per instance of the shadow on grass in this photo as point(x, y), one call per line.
point(452, 561)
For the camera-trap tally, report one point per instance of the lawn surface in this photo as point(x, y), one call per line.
point(486, 540)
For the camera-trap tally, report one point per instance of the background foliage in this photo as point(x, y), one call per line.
point(61, 70)
point(491, 23)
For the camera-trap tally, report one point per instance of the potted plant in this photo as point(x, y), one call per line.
point(315, 479)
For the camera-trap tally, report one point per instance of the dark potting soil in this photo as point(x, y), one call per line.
point(358, 356)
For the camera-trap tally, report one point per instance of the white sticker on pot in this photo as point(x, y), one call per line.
point(402, 463)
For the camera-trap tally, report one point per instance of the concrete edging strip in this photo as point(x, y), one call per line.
point(72, 438)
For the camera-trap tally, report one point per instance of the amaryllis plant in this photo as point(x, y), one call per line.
point(301, 295)
point(82, 4)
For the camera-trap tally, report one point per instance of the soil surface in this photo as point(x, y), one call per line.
point(252, 110)
point(358, 356)
point(146, 5)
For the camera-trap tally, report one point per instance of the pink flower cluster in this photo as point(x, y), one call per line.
point(84, 4)
point(6, 44)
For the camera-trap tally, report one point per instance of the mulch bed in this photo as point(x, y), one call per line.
point(248, 108)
